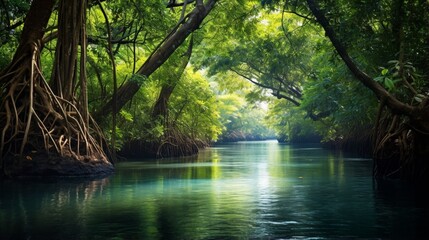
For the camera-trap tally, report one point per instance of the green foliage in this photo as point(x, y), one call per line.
point(12, 14)
point(291, 124)
point(6, 56)
point(119, 137)
point(373, 32)
point(136, 27)
point(138, 78)
point(274, 44)
point(387, 82)
point(346, 106)
point(242, 113)
point(288, 55)
point(192, 110)
point(402, 79)
point(126, 115)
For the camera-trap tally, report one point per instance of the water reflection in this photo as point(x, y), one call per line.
point(239, 191)
point(35, 208)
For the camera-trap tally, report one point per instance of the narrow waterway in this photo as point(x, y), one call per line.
point(248, 190)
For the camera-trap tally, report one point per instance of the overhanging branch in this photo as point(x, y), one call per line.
point(393, 103)
point(275, 92)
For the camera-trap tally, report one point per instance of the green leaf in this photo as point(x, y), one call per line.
point(379, 79)
point(418, 99)
point(389, 83)
point(126, 115)
point(384, 71)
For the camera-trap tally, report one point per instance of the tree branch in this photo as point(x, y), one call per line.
point(173, 4)
point(167, 47)
point(394, 104)
point(275, 92)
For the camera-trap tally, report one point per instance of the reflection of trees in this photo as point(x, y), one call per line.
point(53, 209)
point(180, 199)
point(205, 165)
point(275, 190)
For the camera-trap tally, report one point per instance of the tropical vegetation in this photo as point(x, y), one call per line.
point(84, 80)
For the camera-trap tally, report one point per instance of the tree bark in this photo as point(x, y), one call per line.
point(160, 109)
point(161, 105)
point(34, 27)
point(191, 23)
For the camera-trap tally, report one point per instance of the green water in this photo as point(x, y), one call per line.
point(255, 190)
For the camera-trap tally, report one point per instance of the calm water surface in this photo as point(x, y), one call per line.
point(254, 190)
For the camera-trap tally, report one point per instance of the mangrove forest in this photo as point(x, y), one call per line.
point(83, 80)
point(90, 87)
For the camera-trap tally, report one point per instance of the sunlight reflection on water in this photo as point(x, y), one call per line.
point(239, 191)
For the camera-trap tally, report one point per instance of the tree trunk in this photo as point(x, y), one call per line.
point(160, 109)
point(173, 142)
point(22, 70)
point(34, 28)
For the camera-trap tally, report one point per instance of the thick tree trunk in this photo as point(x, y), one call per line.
point(190, 23)
point(22, 67)
point(46, 134)
point(32, 34)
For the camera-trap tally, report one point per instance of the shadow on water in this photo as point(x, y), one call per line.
point(402, 207)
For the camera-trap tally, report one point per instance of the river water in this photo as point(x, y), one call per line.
point(246, 190)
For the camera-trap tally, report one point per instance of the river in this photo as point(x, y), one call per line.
point(245, 190)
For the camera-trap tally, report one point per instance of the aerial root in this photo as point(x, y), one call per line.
point(394, 145)
point(37, 120)
point(175, 143)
